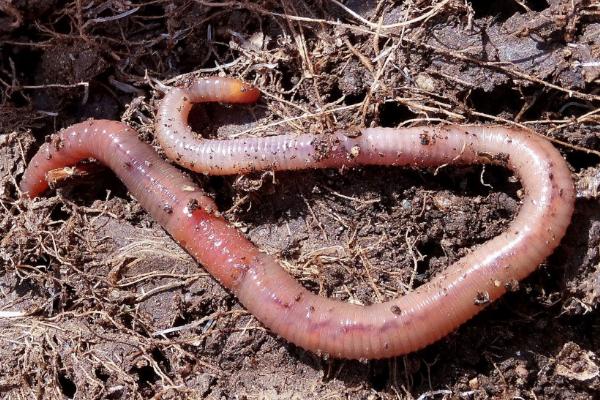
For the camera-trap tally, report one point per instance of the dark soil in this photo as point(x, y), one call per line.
point(113, 308)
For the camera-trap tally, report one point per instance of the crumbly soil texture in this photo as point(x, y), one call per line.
point(96, 301)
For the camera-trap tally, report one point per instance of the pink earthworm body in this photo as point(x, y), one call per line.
point(315, 323)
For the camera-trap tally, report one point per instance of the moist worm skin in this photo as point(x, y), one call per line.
point(315, 323)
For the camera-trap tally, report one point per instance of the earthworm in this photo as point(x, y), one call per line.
point(323, 325)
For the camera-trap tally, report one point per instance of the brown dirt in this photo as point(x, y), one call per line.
point(103, 287)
